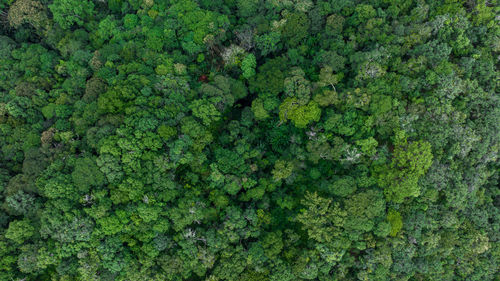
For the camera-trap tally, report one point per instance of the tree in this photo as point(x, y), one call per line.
point(19, 231)
point(297, 86)
point(300, 115)
point(248, 66)
point(322, 220)
point(327, 78)
point(205, 111)
point(395, 220)
point(268, 42)
point(69, 12)
point(410, 161)
point(295, 28)
point(28, 11)
point(282, 170)
point(258, 109)
point(107, 28)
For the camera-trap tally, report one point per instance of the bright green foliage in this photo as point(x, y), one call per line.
point(300, 115)
point(106, 28)
point(326, 98)
point(248, 66)
point(205, 111)
point(364, 12)
point(196, 26)
point(69, 12)
point(19, 231)
point(395, 220)
point(327, 78)
point(130, 21)
point(368, 146)
point(268, 42)
point(154, 40)
point(321, 219)
point(343, 187)
point(258, 109)
point(166, 132)
point(362, 208)
point(410, 162)
point(282, 170)
point(295, 28)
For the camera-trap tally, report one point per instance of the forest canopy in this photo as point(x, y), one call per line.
point(249, 140)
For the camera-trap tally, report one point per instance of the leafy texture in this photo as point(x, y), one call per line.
point(249, 140)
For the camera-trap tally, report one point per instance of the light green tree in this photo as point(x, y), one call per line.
point(69, 12)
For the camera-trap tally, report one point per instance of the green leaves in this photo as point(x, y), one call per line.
point(282, 169)
point(19, 230)
point(205, 111)
point(300, 115)
point(107, 28)
point(410, 161)
point(86, 174)
point(321, 219)
point(196, 26)
point(27, 11)
point(395, 220)
point(248, 140)
point(297, 86)
point(69, 12)
point(248, 66)
point(268, 42)
point(343, 187)
point(362, 209)
point(295, 28)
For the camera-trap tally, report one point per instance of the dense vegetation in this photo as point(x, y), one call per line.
point(249, 140)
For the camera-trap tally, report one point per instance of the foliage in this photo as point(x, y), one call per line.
point(253, 140)
point(68, 12)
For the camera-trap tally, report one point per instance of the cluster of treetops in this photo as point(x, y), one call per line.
point(249, 140)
